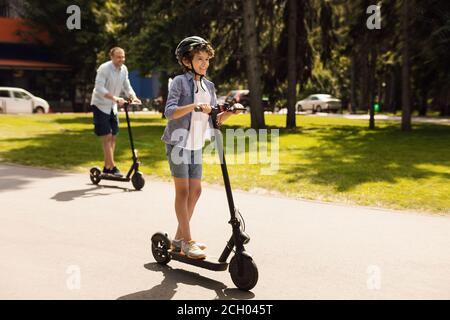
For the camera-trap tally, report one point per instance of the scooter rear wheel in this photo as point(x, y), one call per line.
point(95, 174)
point(247, 277)
point(138, 180)
point(160, 247)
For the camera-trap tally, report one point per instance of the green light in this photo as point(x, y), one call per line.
point(376, 107)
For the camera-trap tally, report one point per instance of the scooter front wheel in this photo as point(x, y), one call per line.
point(138, 180)
point(95, 174)
point(160, 247)
point(243, 271)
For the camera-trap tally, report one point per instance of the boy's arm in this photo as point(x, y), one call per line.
point(172, 110)
point(223, 116)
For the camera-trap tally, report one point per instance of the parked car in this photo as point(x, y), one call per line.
point(243, 97)
point(319, 103)
point(17, 100)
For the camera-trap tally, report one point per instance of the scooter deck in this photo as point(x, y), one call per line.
point(111, 177)
point(206, 263)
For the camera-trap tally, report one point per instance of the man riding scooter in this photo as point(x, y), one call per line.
point(111, 80)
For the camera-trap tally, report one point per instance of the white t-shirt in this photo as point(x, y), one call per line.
point(198, 132)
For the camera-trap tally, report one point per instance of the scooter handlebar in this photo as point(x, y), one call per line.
point(129, 103)
point(224, 107)
point(235, 107)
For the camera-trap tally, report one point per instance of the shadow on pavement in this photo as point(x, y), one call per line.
point(13, 177)
point(166, 290)
point(86, 193)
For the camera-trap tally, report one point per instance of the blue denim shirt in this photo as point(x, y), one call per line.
point(181, 93)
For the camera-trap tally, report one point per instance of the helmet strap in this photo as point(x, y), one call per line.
point(197, 74)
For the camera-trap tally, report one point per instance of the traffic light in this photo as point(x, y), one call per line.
point(376, 106)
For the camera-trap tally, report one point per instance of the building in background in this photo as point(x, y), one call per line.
point(30, 65)
point(26, 64)
point(145, 87)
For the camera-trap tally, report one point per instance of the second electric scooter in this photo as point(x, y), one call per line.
point(242, 268)
point(136, 177)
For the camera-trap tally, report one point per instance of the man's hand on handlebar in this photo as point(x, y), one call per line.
point(135, 100)
point(120, 101)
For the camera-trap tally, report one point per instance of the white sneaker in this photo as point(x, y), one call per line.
point(201, 245)
point(191, 250)
point(176, 245)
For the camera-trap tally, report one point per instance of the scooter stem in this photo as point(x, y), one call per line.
point(223, 166)
point(129, 132)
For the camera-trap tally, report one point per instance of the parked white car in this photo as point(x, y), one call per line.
point(318, 103)
point(17, 100)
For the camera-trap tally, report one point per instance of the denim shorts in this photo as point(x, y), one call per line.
point(105, 123)
point(184, 163)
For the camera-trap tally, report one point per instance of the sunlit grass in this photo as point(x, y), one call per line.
point(331, 159)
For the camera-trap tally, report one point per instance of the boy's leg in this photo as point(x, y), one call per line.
point(181, 208)
point(195, 190)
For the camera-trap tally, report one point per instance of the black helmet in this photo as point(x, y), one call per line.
point(187, 45)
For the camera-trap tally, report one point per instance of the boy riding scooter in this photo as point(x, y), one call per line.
point(191, 109)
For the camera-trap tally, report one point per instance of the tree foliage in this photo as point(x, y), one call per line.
point(335, 52)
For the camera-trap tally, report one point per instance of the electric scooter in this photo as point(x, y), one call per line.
point(137, 178)
point(242, 268)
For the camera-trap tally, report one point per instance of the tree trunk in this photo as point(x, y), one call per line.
point(406, 94)
point(84, 106)
point(353, 99)
point(423, 105)
point(292, 65)
point(364, 78)
point(371, 86)
point(444, 101)
point(380, 93)
point(74, 86)
point(253, 66)
point(395, 88)
point(273, 56)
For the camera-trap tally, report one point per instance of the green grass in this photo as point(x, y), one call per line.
point(329, 159)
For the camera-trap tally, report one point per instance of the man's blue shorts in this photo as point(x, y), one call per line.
point(105, 123)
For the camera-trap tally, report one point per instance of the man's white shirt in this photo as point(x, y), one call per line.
point(111, 80)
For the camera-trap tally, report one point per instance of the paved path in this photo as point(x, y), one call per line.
point(64, 238)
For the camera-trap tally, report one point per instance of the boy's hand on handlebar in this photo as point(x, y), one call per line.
point(236, 108)
point(206, 108)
